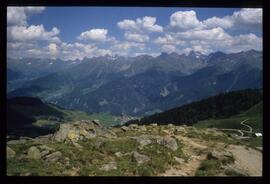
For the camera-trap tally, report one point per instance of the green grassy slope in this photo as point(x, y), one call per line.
point(254, 116)
point(255, 120)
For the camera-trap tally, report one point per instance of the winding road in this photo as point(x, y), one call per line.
point(250, 128)
point(241, 132)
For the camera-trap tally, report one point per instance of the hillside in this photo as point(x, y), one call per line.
point(221, 106)
point(28, 116)
point(85, 148)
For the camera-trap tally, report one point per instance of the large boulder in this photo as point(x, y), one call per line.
point(143, 140)
point(139, 158)
point(168, 142)
point(80, 130)
point(33, 153)
point(10, 153)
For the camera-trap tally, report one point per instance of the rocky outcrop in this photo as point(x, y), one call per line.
point(80, 130)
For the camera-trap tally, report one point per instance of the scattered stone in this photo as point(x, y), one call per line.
point(109, 166)
point(72, 172)
point(222, 156)
point(10, 153)
point(179, 129)
point(143, 128)
point(53, 157)
point(143, 140)
point(124, 128)
point(170, 125)
point(179, 160)
point(166, 132)
point(153, 124)
point(96, 121)
point(33, 153)
point(168, 142)
point(139, 158)
point(44, 153)
point(118, 154)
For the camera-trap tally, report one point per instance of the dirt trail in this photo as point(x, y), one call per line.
point(186, 169)
point(189, 168)
point(249, 160)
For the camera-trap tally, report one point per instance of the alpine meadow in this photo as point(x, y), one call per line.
point(134, 91)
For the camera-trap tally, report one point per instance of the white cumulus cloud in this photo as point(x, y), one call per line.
point(146, 23)
point(136, 37)
point(18, 15)
point(32, 33)
point(185, 20)
point(94, 35)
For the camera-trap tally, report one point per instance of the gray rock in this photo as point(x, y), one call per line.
point(143, 140)
point(124, 128)
point(179, 129)
point(33, 153)
point(96, 121)
point(142, 128)
point(109, 166)
point(233, 170)
point(53, 157)
point(44, 153)
point(10, 153)
point(168, 142)
point(179, 160)
point(219, 155)
point(139, 158)
point(154, 124)
point(118, 154)
point(81, 130)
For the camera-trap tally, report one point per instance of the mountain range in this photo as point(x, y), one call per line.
point(140, 85)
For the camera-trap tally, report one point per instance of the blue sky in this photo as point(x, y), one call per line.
point(79, 32)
